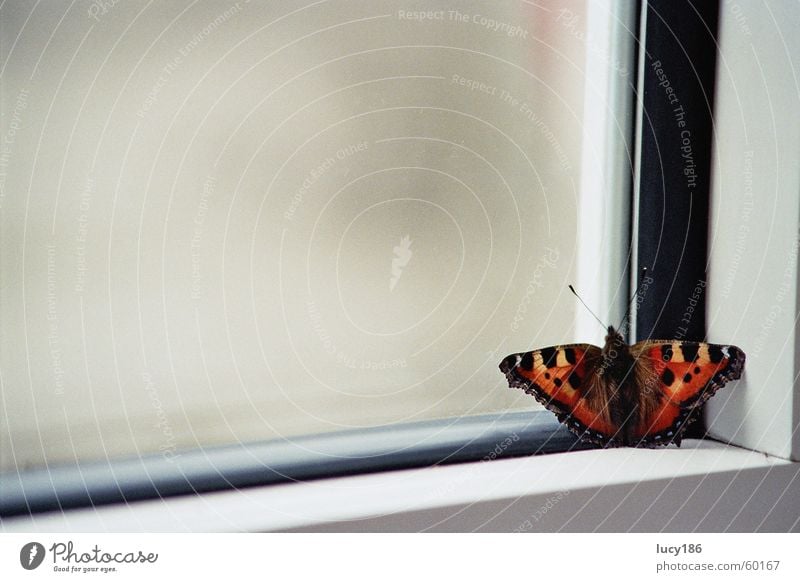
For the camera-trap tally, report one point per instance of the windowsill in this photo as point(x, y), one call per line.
point(306, 458)
point(601, 486)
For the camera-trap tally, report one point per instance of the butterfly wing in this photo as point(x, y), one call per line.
point(684, 375)
point(556, 376)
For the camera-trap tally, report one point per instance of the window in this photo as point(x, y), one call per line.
point(228, 223)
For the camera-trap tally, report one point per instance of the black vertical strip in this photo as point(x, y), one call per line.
point(677, 102)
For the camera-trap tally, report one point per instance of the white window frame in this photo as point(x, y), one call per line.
point(753, 274)
point(606, 158)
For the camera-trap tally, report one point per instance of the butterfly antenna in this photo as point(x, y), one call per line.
point(633, 297)
point(571, 288)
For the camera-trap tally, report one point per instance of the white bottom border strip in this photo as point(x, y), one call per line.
point(397, 556)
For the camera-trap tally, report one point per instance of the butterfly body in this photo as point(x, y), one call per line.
point(623, 395)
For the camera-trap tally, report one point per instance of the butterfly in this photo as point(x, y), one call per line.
point(640, 395)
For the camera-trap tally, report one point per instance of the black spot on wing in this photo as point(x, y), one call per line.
point(574, 381)
point(715, 354)
point(689, 352)
point(666, 352)
point(557, 382)
point(668, 377)
point(526, 363)
point(687, 378)
point(569, 354)
point(549, 357)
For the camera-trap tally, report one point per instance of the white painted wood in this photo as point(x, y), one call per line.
point(605, 166)
point(755, 208)
point(601, 490)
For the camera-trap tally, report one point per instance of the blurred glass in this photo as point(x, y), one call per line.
point(228, 222)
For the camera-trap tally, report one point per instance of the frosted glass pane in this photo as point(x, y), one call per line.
point(226, 222)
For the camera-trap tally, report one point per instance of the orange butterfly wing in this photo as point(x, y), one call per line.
point(685, 374)
point(555, 376)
